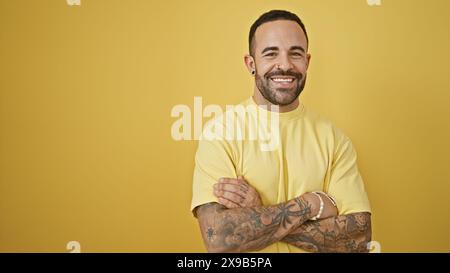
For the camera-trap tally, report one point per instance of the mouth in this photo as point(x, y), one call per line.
point(283, 81)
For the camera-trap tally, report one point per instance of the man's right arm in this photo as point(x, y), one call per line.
point(249, 229)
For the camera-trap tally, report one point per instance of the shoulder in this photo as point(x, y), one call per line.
point(324, 127)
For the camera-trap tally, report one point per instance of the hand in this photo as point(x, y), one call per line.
point(329, 210)
point(236, 193)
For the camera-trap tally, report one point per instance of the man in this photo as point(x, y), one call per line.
point(281, 200)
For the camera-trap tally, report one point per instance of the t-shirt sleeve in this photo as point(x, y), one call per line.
point(213, 160)
point(345, 182)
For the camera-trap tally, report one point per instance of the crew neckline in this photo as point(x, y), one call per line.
point(296, 113)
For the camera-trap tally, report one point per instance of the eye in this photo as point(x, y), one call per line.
point(297, 54)
point(271, 54)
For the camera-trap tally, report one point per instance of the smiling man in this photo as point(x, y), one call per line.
point(306, 194)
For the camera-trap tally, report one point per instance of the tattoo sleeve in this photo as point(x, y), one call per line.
point(344, 233)
point(247, 229)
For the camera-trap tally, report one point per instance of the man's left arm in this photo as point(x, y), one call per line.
point(351, 230)
point(343, 233)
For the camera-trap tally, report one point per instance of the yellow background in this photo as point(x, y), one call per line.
point(86, 94)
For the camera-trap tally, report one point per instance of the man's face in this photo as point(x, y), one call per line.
point(281, 61)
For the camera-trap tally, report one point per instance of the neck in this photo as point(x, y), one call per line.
point(260, 100)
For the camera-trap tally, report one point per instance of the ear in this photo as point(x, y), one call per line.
point(249, 63)
point(308, 59)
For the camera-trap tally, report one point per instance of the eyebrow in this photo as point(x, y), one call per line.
point(275, 48)
point(298, 48)
point(270, 48)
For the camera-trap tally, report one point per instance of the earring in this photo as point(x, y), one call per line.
point(253, 72)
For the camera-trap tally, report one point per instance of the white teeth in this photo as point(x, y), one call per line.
point(282, 80)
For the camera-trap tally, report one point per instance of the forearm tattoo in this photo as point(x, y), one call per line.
point(344, 233)
point(246, 229)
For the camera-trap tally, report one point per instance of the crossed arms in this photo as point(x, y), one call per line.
point(239, 222)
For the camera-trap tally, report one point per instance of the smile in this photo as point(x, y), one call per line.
point(282, 79)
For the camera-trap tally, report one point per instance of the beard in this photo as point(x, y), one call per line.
point(280, 96)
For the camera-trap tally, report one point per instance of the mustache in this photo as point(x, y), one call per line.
point(299, 76)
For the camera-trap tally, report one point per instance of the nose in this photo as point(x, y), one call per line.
point(284, 63)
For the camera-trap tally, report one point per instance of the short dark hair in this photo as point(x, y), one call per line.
point(270, 16)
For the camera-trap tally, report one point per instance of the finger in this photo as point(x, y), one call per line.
point(228, 180)
point(231, 188)
point(234, 181)
point(216, 192)
point(241, 180)
point(227, 203)
point(236, 198)
point(238, 181)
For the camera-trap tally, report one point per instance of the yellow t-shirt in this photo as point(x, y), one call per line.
point(310, 155)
